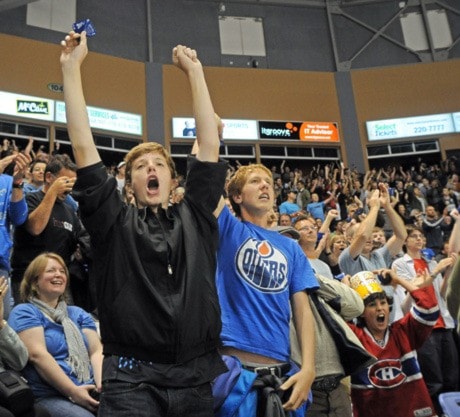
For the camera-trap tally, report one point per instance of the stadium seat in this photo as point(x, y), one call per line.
point(450, 403)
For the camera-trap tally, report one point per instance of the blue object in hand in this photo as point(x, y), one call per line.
point(84, 25)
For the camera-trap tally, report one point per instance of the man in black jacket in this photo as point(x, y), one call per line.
point(157, 301)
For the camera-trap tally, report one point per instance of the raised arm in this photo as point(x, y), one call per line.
point(364, 231)
point(421, 280)
point(396, 242)
point(21, 165)
point(73, 52)
point(332, 195)
point(186, 59)
point(330, 216)
point(453, 290)
point(454, 240)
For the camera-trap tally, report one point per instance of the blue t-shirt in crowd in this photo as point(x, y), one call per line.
point(258, 272)
point(26, 316)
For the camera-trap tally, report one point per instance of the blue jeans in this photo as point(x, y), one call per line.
point(123, 399)
point(60, 407)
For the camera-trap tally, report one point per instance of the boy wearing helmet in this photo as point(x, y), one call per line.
point(393, 385)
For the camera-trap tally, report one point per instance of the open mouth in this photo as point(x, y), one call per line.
point(153, 184)
point(381, 318)
point(264, 197)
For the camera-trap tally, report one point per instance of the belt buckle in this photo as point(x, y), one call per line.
point(265, 370)
point(330, 384)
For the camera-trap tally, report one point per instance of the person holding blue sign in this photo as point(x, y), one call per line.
point(157, 301)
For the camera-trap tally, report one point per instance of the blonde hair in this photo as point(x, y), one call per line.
point(28, 287)
point(142, 149)
point(238, 180)
point(334, 238)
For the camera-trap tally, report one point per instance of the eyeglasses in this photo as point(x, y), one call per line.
point(314, 228)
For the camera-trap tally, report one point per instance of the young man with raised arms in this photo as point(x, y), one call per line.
point(157, 301)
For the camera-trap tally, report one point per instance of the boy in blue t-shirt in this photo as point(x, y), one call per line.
point(263, 276)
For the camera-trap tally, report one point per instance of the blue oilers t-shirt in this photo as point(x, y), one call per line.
point(258, 271)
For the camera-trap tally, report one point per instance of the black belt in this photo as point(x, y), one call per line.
point(327, 384)
point(277, 370)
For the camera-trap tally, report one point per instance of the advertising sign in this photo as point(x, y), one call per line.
point(305, 131)
point(436, 124)
point(234, 129)
point(115, 121)
point(26, 106)
point(456, 117)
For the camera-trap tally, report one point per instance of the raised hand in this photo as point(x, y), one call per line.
point(73, 48)
point(455, 214)
point(374, 199)
point(4, 162)
point(185, 58)
point(384, 195)
point(22, 162)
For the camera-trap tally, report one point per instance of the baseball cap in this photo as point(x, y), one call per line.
point(365, 284)
point(121, 164)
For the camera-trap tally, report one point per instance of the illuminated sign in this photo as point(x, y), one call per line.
point(44, 109)
point(456, 117)
point(115, 121)
point(32, 107)
point(26, 106)
point(234, 129)
point(319, 131)
point(304, 131)
point(436, 124)
point(240, 129)
point(184, 127)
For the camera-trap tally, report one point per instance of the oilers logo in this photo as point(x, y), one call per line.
point(386, 373)
point(262, 266)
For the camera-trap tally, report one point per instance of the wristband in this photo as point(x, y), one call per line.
point(18, 185)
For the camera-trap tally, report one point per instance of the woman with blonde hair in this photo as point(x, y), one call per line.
point(65, 353)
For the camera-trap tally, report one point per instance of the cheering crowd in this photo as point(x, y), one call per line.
point(231, 290)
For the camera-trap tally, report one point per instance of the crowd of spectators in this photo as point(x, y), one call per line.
point(404, 222)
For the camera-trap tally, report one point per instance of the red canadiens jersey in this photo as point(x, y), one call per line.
point(394, 385)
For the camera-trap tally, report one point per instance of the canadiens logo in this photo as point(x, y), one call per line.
point(386, 373)
point(262, 266)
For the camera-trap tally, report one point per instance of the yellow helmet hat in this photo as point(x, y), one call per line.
point(365, 284)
